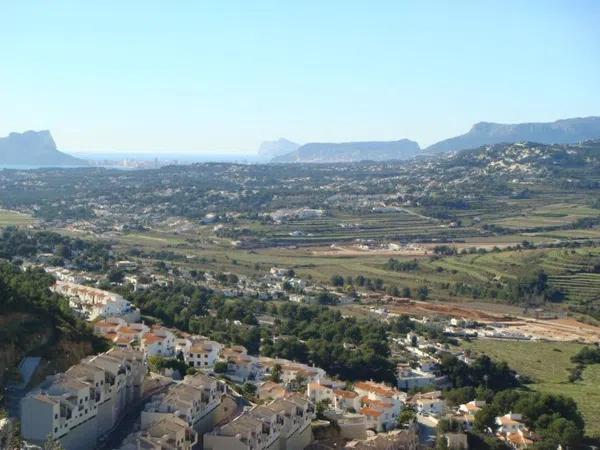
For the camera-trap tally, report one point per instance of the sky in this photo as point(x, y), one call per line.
point(206, 76)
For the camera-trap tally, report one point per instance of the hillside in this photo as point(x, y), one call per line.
point(567, 131)
point(34, 148)
point(36, 322)
point(530, 158)
point(351, 152)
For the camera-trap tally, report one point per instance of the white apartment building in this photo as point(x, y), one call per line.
point(193, 400)
point(409, 378)
point(79, 406)
point(282, 424)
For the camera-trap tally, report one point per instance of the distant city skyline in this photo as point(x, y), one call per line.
point(186, 77)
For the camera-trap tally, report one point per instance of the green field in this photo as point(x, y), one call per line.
point(549, 216)
point(14, 218)
point(548, 364)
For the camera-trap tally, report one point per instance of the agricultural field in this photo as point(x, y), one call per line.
point(547, 364)
point(14, 218)
point(549, 216)
point(568, 269)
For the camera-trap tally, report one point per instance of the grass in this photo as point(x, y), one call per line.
point(14, 218)
point(548, 365)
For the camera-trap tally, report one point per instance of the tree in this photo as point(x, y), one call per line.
point(337, 280)
point(249, 389)
point(321, 407)
point(276, 373)
point(115, 276)
point(220, 367)
point(422, 292)
point(406, 417)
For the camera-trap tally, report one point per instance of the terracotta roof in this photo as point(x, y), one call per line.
point(375, 388)
point(377, 403)
point(152, 338)
point(370, 412)
point(345, 394)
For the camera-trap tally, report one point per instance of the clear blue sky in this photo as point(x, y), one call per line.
point(225, 75)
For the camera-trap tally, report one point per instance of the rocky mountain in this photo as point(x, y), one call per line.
point(566, 131)
point(281, 146)
point(351, 152)
point(34, 148)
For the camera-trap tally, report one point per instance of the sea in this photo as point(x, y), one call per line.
point(116, 159)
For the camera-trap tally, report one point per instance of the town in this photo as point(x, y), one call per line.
point(168, 388)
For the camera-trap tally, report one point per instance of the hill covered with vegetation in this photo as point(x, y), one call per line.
point(36, 322)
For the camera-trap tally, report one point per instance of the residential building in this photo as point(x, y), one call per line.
point(92, 303)
point(169, 433)
point(282, 424)
point(271, 391)
point(198, 351)
point(79, 406)
point(409, 378)
point(194, 400)
point(159, 341)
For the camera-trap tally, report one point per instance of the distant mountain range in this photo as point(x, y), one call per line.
point(351, 151)
point(34, 148)
point(567, 131)
point(37, 148)
point(281, 146)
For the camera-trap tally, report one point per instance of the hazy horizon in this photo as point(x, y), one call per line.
point(208, 78)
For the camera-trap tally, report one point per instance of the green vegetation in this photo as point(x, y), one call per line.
point(16, 243)
point(555, 418)
point(548, 365)
point(36, 322)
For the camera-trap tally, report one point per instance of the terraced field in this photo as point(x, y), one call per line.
point(548, 216)
point(401, 225)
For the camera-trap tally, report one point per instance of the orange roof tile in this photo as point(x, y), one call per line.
point(370, 412)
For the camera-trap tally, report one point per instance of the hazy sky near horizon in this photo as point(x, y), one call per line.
point(226, 75)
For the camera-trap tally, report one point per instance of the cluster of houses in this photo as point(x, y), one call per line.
point(176, 419)
point(92, 303)
point(368, 405)
point(86, 402)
